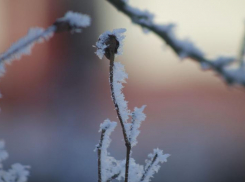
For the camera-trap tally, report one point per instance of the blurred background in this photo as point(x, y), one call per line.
point(54, 100)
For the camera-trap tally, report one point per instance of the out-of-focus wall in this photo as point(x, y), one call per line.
point(54, 100)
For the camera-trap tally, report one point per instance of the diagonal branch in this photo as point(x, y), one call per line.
point(148, 168)
point(73, 22)
point(11, 53)
point(183, 48)
point(113, 177)
point(152, 165)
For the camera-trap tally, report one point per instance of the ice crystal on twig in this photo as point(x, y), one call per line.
point(152, 164)
point(73, 21)
point(3, 152)
point(137, 117)
point(108, 167)
point(236, 73)
point(103, 43)
point(119, 77)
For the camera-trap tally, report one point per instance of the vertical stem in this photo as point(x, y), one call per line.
point(127, 162)
point(127, 143)
point(99, 156)
point(99, 165)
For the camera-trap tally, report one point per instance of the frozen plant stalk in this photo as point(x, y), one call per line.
point(109, 45)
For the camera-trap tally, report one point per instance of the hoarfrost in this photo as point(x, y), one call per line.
point(119, 77)
point(76, 20)
point(152, 164)
point(101, 43)
point(137, 117)
point(17, 172)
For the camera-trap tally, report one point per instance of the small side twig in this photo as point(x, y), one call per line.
point(113, 177)
point(152, 164)
point(99, 155)
point(148, 168)
point(107, 165)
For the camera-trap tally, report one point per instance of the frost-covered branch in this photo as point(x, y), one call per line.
point(72, 21)
point(152, 164)
point(109, 45)
point(137, 117)
point(17, 172)
point(108, 167)
point(183, 48)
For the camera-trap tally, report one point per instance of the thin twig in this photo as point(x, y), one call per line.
point(113, 177)
point(171, 41)
point(99, 155)
point(148, 168)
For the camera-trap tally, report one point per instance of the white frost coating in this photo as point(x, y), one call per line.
point(24, 46)
point(222, 61)
point(119, 77)
point(17, 172)
point(151, 166)
point(219, 62)
point(101, 43)
point(76, 20)
point(108, 127)
point(237, 74)
point(3, 152)
point(188, 47)
point(109, 165)
point(137, 117)
point(135, 171)
point(144, 16)
point(204, 65)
